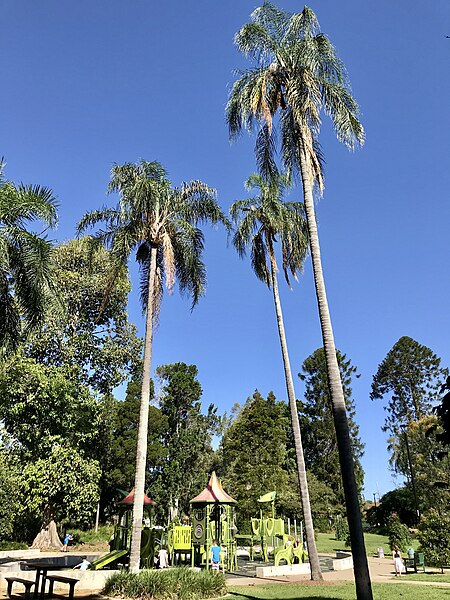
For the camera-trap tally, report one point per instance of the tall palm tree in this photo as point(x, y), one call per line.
point(159, 222)
point(25, 271)
point(296, 75)
point(260, 222)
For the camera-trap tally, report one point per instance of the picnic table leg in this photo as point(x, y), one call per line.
point(37, 581)
point(36, 585)
point(43, 575)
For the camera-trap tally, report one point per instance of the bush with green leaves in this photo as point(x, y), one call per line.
point(398, 534)
point(434, 538)
point(181, 583)
point(341, 529)
point(92, 537)
point(13, 546)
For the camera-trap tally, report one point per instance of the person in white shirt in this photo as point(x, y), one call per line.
point(163, 558)
point(83, 565)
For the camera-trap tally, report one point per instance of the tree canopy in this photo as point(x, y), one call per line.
point(187, 439)
point(321, 452)
point(86, 332)
point(410, 377)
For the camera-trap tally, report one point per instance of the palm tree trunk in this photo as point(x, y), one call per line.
point(316, 573)
point(360, 566)
point(141, 455)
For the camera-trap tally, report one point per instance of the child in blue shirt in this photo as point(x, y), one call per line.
point(215, 555)
point(67, 538)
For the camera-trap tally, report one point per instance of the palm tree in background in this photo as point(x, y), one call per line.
point(295, 76)
point(261, 222)
point(159, 222)
point(25, 269)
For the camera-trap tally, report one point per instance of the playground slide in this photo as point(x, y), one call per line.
point(107, 559)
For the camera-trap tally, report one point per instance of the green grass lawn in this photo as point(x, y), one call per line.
point(327, 543)
point(433, 577)
point(346, 591)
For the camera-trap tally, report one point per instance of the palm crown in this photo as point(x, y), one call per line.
point(152, 213)
point(25, 271)
point(263, 219)
point(296, 70)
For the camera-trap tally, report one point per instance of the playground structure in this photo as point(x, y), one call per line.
point(119, 544)
point(212, 518)
point(269, 536)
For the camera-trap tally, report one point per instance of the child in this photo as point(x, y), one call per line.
point(215, 555)
point(163, 558)
point(67, 538)
point(83, 565)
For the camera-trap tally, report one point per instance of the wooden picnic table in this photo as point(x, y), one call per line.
point(42, 567)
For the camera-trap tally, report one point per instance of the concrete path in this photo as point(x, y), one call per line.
point(381, 571)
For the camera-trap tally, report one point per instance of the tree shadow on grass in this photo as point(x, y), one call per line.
point(287, 596)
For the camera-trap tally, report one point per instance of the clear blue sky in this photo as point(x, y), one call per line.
point(85, 84)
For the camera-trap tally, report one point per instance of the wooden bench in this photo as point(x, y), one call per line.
point(25, 582)
point(69, 580)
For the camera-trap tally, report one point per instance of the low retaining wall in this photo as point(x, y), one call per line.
point(298, 569)
point(20, 554)
point(343, 561)
point(89, 580)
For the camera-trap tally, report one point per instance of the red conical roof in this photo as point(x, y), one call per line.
point(130, 499)
point(214, 492)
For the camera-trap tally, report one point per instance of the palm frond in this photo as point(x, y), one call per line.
point(9, 317)
point(258, 258)
point(245, 93)
point(273, 19)
point(255, 41)
point(344, 111)
point(265, 151)
point(28, 203)
point(264, 219)
point(188, 247)
point(111, 216)
point(300, 25)
point(143, 259)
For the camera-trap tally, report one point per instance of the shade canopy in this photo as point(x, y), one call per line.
point(130, 499)
point(213, 492)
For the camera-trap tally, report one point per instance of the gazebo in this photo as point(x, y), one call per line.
point(213, 518)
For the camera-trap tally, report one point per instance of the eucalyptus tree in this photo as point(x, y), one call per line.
point(296, 75)
point(160, 223)
point(260, 222)
point(25, 271)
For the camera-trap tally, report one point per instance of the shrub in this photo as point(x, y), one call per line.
point(342, 531)
point(434, 538)
point(398, 534)
point(181, 583)
point(13, 546)
point(92, 537)
point(321, 524)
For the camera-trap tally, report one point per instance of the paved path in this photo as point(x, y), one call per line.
point(381, 571)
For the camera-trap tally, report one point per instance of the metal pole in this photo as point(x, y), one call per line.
point(97, 517)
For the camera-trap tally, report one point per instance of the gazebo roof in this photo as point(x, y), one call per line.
point(213, 492)
point(130, 499)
